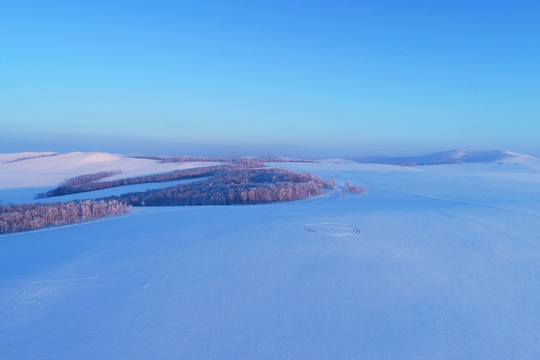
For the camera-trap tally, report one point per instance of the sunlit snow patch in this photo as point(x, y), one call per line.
point(332, 229)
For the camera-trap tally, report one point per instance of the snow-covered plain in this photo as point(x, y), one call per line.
point(434, 262)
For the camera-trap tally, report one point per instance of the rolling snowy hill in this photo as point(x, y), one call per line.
point(434, 262)
point(37, 171)
point(448, 157)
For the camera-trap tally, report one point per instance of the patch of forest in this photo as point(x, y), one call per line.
point(237, 186)
point(23, 217)
point(79, 184)
point(242, 183)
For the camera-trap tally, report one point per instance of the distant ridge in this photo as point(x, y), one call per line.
point(445, 157)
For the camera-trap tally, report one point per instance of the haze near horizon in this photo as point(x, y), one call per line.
point(379, 78)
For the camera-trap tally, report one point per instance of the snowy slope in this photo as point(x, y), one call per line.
point(50, 171)
point(435, 262)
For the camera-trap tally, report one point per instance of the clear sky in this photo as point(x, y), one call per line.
point(339, 77)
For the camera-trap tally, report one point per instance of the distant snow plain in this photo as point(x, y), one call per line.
point(433, 262)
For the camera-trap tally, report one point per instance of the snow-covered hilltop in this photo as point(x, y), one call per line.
point(450, 157)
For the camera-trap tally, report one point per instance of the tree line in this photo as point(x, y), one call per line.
point(84, 179)
point(181, 159)
point(31, 157)
point(67, 188)
point(250, 186)
point(225, 185)
point(23, 217)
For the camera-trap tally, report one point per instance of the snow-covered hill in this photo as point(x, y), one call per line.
point(50, 171)
point(450, 157)
point(434, 262)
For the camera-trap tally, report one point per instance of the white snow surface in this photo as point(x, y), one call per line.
point(50, 171)
point(434, 262)
point(27, 195)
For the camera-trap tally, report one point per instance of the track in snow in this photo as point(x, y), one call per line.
point(332, 229)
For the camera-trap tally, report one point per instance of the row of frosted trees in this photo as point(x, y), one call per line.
point(70, 187)
point(88, 178)
point(181, 159)
point(252, 186)
point(225, 185)
point(22, 217)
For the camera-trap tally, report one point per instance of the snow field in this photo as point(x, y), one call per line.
point(445, 267)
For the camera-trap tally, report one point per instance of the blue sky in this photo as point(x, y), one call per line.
point(357, 78)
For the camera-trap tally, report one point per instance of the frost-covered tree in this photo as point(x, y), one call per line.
point(23, 217)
